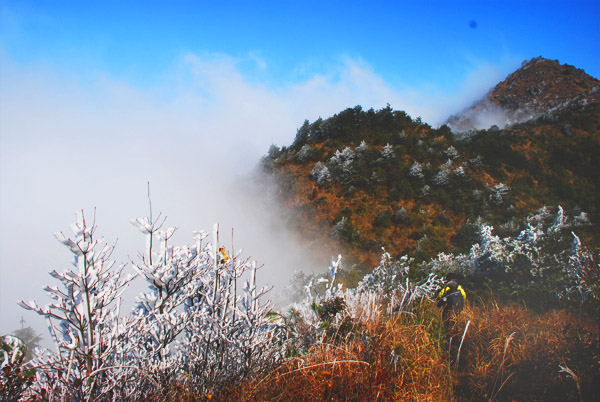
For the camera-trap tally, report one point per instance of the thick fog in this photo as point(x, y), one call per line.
point(90, 141)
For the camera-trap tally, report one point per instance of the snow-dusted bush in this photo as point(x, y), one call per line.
point(229, 335)
point(388, 152)
point(83, 320)
point(390, 278)
point(342, 158)
point(386, 277)
point(400, 215)
point(14, 379)
point(560, 221)
point(533, 258)
point(581, 219)
point(476, 162)
point(499, 194)
point(459, 171)
point(583, 273)
point(306, 323)
point(447, 165)
point(442, 177)
point(305, 153)
point(321, 174)
point(361, 150)
point(331, 311)
point(196, 325)
point(342, 229)
point(341, 164)
point(416, 171)
point(451, 152)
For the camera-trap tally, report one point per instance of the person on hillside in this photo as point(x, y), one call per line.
point(452, 297)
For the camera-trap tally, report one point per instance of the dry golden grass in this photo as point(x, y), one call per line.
point(398, 359)
point(510, 354)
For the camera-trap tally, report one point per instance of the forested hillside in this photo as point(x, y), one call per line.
point(379, 178)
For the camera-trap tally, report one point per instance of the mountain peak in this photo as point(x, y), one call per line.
point(540, 86)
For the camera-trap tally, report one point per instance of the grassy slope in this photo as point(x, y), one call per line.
point(508, 354)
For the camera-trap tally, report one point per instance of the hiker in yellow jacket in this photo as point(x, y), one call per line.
point(452, 297)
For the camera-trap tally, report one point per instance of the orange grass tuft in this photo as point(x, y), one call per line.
point(396, 359)
point(511, 354)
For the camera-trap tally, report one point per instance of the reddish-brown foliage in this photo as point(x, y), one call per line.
point(510, 354)
point(363, 367)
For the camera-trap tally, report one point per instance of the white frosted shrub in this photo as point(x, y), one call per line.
point(198, 324)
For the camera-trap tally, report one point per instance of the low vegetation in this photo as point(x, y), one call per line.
point(194, 336)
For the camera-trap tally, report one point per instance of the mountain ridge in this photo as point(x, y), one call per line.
point(363, 180)
point(540, 86)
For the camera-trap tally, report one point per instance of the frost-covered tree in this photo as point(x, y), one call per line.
point(499, 194)
point(228, 335)
point(559, 222)
point(416, 171)
point(447, 164)
point(321, 174)
point(194, 326)
point(442, 177)
point(305, 153)
point(583, 278)
point(459, 171)
point(362, 150)
point(341, 165)
point(400, 215)
point(581, 219)
point(307, 323)
point(392, 278)
point(476, 162)
point(583, 273)
point(83, 320)
point(451, 152)
point(195, 323)
point(388, 152)
point(342, 228)
point(158, 317)
point(30, 338)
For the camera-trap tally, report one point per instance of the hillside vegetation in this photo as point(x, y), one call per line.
point(378, 178)
point(193, 337)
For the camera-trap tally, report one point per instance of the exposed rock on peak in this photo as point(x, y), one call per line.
point(539, 87)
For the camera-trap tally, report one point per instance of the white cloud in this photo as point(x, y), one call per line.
point(69, 142)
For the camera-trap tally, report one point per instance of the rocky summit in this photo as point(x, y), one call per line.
point(540, 87)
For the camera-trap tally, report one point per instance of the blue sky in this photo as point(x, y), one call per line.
point(98, 98)
point(406, 43)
